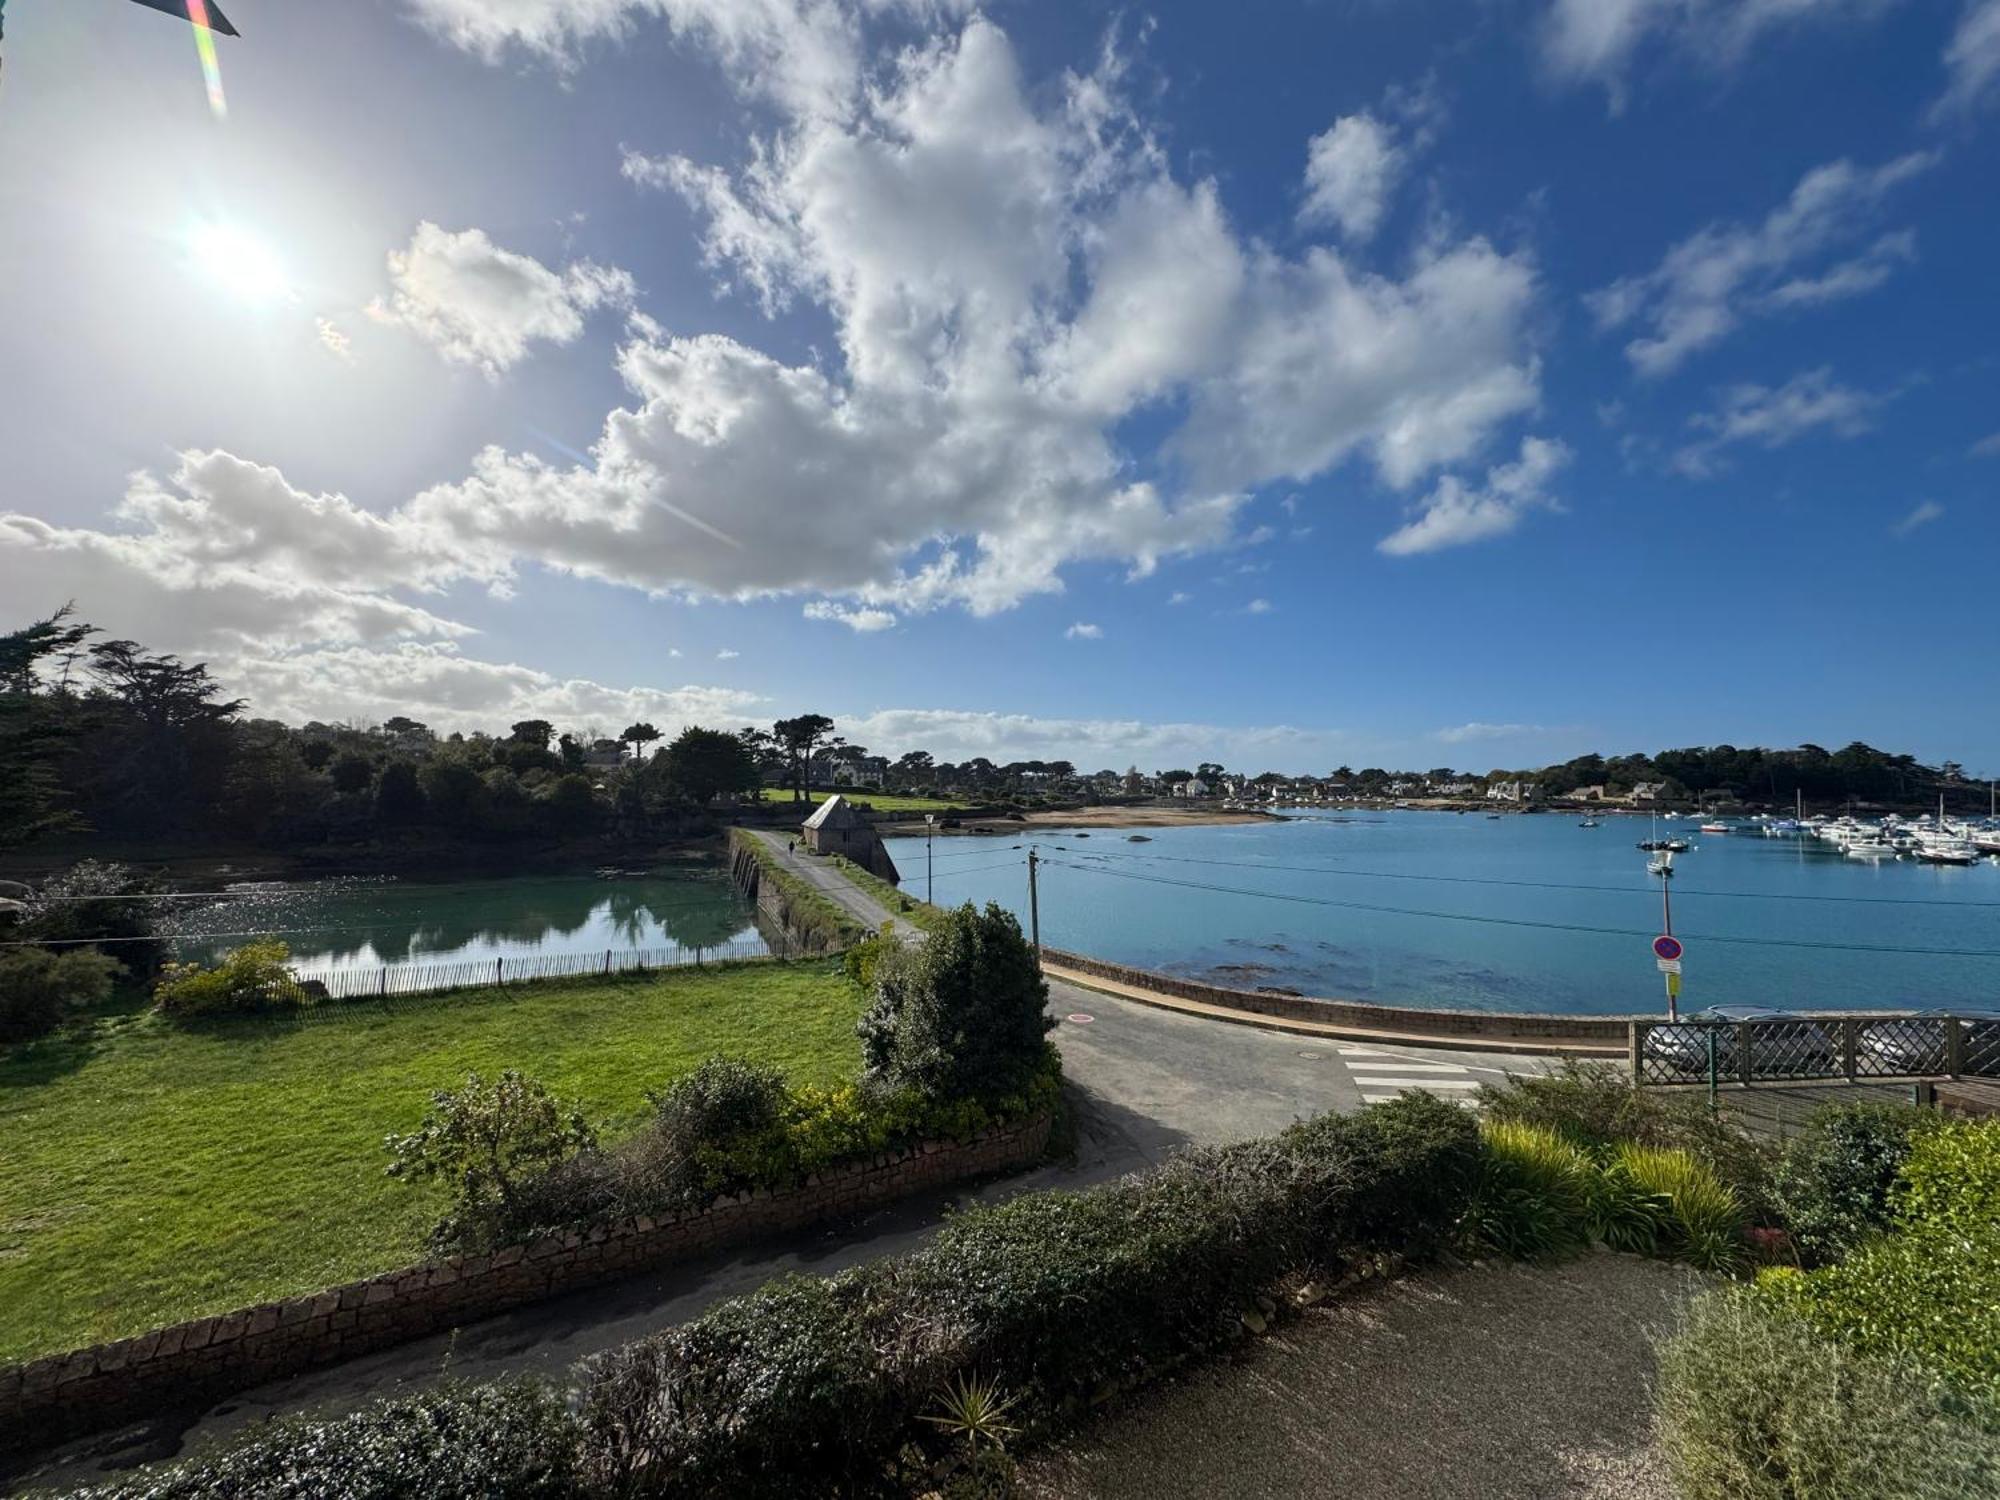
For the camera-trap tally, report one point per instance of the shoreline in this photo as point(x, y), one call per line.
point(1081, 817)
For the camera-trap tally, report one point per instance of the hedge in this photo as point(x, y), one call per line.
point(1056, 1296)
point(513, 1439)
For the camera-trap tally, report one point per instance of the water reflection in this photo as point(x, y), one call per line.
point(362, 922)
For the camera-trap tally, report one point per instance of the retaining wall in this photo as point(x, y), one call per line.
point(64, 1394)
point(1607, 1031)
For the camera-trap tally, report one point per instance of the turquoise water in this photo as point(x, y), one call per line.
point(363, 923)
point(1765, 921)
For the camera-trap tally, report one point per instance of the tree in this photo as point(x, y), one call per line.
point(534, 732)
point(399, 798)
point(1209, 771)
point(95, 901)
point(484, 1140)
point(965, 1015)
point(41, 988)
point(34, 733)
point(351, 773)
point(639, 736)
point(571, 803)
point(703, 764)
point(570, 748)
point(800, 739)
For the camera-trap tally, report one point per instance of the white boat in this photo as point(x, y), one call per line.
point(1870, 848)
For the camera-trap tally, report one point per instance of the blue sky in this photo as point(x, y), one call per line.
point(1469, 382)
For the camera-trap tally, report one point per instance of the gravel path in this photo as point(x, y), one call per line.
point(1499, 1382)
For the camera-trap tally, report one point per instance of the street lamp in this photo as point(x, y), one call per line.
point(930, 831)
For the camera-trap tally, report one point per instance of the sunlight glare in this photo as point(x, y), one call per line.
point(240, 262)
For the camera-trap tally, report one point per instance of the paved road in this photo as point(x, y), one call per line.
point(1141, 1081)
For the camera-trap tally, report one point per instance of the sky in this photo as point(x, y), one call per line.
point(1437, 382)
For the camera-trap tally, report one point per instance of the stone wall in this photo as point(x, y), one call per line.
point(75, 1392)
point(1605, 1032)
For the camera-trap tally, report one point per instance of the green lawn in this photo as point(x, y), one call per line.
point(150, 1174)
point(881, 801)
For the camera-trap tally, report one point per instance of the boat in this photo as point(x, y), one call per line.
point(1590, 823)
point(1870, 848)
point(1716, 828)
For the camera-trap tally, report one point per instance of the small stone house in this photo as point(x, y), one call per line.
point(836, 828)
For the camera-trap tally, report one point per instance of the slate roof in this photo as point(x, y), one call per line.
point(835, 812)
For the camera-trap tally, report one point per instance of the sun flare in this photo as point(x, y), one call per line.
point(240, 262)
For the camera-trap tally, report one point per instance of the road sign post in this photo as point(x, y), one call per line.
point(1667, 951)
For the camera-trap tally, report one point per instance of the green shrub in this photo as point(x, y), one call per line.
point(1952, 1176)
point(513, 1440)
point(1052, 1295)
point(488, 1141)
point(1594, 1106)
point(253, 977)
point(1929, 1297)
point(1534, 1194)
point(1832, 1189)
point(1752, 1406)
point(961, 1015)
point(1702, 1221)
point(41, 988)
point(729, 1126)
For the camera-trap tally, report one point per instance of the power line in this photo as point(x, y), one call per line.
point(1540, 885)
point(1452, 916)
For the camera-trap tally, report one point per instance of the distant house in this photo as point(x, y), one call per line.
point(1455, 788)
point(605, 755)
point(836, 828)
point(1197, 788)
point(1513, 791)
point(1649, 791)
point(1588, 794)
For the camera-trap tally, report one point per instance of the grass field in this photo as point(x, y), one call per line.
point(883, 802)
point(150, 1174)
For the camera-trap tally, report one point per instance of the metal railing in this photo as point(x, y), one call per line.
point(1861, 1048)
point(392, 980)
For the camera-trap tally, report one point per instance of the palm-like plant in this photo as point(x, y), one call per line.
point(975, 1410)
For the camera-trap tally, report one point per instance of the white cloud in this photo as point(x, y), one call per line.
point(725, 654)
point(1972, 60)
point(1598, 40)
point(1921, 514)
point(228, 552)
point(803, 54)
point(1771, 416)
point(1455, 513)
point(1259, 607)
point(1709, 283)
point(1986, 447)
point(861, 621)
point(484, 306)
point(449, 691)
point(335, 340)
point(956, 735)
point(1465, 734)
point(1179, 596)
point(1351, 170)
point(1082, 631)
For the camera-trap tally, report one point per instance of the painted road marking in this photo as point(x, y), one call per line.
point(1404, 1067)
point(1379, 1081)
point(1078, 1018)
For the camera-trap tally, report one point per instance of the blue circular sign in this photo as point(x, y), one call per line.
point(1667, 947)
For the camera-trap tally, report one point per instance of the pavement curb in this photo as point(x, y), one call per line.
point(1535, 1046)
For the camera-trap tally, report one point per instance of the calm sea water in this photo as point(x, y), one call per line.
point(1765, 921)
point(363, 923)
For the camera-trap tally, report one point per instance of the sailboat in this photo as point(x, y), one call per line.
point(1940, 846)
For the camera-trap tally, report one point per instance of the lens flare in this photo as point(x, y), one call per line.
point(240, 263)
point(204, 45)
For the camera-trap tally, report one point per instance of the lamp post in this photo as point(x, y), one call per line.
point(930, 833)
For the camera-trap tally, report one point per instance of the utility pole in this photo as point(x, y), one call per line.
point(1034, 907)
point(1667, 920)
point(930, 833)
